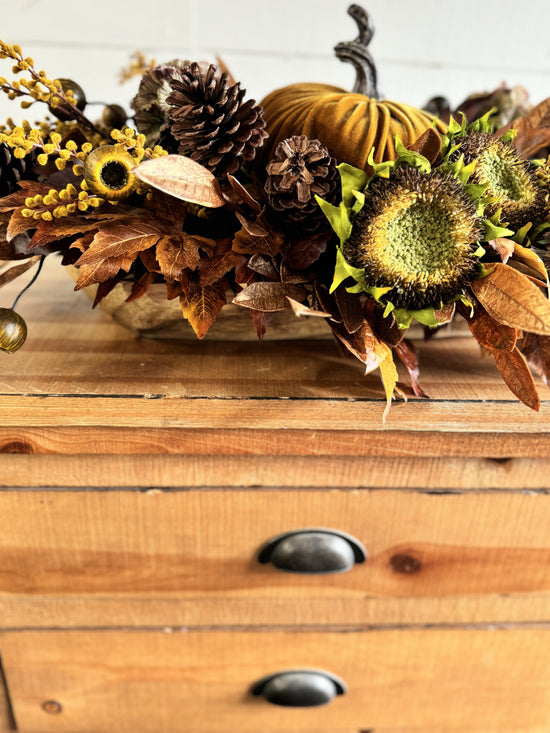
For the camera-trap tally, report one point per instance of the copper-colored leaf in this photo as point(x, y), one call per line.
point(182, 178)
point(407, 354)
point(254, 238)
point(263, 265)
point(385, 327)
point(175, 254)
point(527, 261)
point(428, 145)
point(102, 271)
point(261, 321)
point(350, 309)
point(363, 344)
point(17, 199)
point(490, 333)
point(536, 350)
point(512, 299)
point(445, 314)
point(533, 129)
point(203, 306)
point(18, 224)
point(269, 296)
point(243, 194)
point(302, 253)
point(121, 238)
point(213, 268)
point(141, 286)
point(104, 288)
point(50, 231)
point(515, 372)
point(14, 272)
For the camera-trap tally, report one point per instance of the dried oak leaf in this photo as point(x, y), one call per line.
point(104, 288)
point(177, 253)
point(115, 246)
point(257, 238)
point(536, 350)
point(203, 306)
point(182, 178)
point(141, 286)
point(512, 299)
point(213, 268)
point(269, 296)
point(515, 373)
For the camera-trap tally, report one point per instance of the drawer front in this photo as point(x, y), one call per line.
point(191, 558)
point(417, 680)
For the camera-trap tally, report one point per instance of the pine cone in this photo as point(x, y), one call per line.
point(13, 169)
point(211, 123)
point(299, 169)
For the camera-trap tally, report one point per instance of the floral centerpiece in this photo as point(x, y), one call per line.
point(367, 213)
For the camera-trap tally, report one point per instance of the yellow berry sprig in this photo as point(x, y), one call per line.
point(59, 203)
point(38, 86)
point(25, 139)
point(137, 66)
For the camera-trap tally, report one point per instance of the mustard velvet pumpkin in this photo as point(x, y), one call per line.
point(347, 123)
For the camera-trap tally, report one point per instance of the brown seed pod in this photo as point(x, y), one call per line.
point(13, 330)
point(64, 112)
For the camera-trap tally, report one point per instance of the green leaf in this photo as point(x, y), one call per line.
point(338, 218)
point(381, 170)
point(353, 180)
point(343, 270)
point(494, 231)
point(411, 157)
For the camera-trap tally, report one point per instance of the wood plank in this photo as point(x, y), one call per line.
point(200, 548)
point(149, 681)
point(188, 471)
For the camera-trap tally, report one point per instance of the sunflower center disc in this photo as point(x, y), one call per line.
point(114, 175)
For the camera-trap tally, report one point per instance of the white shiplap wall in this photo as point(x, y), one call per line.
point(422, 47)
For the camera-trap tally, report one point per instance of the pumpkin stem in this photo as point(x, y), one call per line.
point(356, 52)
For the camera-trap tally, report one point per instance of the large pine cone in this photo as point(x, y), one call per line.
point(13, 169)
point(210, 122)
point(300, 169)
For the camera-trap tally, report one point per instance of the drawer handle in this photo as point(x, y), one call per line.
point(299, 688)
point(316, 550)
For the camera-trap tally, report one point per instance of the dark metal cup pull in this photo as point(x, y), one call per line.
point(299, 688)
point(316, 551)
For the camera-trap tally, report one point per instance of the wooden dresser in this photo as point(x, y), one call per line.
point(141, 480)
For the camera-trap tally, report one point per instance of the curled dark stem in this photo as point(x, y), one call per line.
point(357, 53)
point(34, 278)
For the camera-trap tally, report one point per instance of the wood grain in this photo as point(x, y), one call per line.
point(475, 680)
point(200, 547)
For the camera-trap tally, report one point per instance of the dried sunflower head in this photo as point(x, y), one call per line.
point(416, 236)
point(108, 172)
point(511, 181)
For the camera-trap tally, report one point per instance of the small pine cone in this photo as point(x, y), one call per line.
point(299, 169)
point(13, 169)
point(211, 123)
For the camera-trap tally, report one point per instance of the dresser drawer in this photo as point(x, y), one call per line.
point(200, 681)
point(191, 557)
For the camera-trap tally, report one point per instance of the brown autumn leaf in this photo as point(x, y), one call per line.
point(182, 178)
point(101, 271)
point(202, 308)
point(407, 354)
point(515, 373)
point(445, 314)
point(302, 253)
point(104, 288)
point(18, 224)
point(386, 327)
point(363, 344)
point(261, 321)
point(512, 299)
point(350, 309)
point(531, 263)
point(254, 238)
point(243, 194)
point(536, 350)
point(14, 272)
point(263, 265)
point(269, 296)
point(490, 333)
point(175, 254)
point(428, 145)
point(533, 129)
point(122, 238)
point(140, 287)
point(17, 199)
point(213, 268)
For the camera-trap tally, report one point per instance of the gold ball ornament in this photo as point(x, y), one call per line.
point(13, 330)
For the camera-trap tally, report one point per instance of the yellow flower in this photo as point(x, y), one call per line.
point(108, 172)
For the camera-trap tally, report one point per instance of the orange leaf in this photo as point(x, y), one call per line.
point(175, 254)
point(490, 333)
point(512, 299)
point(100, 272)
point(14, 272)
point(182, 178)
point(203, 306)
point(536, 350)
point(428, 145)
point(515, 372)
point(121, 238)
